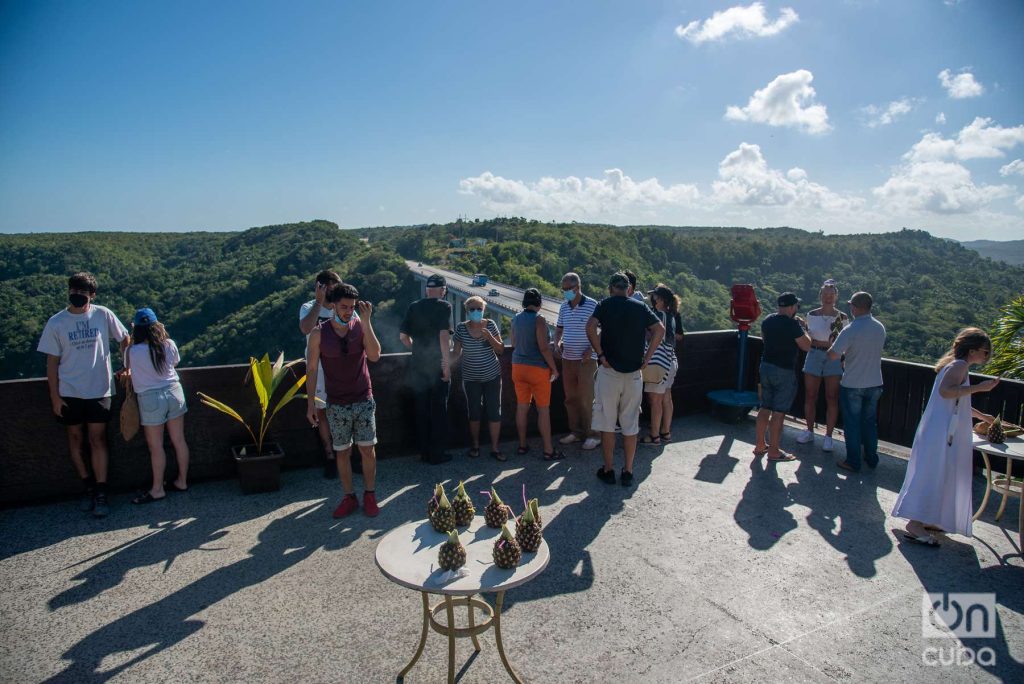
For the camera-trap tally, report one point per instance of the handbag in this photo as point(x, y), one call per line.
point(129, 410)
point(653, 373)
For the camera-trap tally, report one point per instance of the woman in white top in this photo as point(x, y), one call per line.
point(150, 360)
point(936, 492)
point(823, 325)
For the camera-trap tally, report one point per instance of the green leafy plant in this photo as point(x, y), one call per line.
point(266, 378)
point(1008, 341)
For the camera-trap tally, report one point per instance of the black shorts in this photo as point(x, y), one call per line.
point(79, 411)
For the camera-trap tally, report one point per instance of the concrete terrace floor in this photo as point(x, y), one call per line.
point(713, 567)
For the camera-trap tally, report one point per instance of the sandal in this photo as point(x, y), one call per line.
point(171, 487)
point(555, 455)
point(666, 437)
point(522, 450)
point(651, 441)
point(924, 540)
point(782, 457)
point(474, 452)
point(147, 498)
point(499, 456)
point(759, 454)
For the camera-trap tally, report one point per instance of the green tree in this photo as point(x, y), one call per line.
point(1008, 341)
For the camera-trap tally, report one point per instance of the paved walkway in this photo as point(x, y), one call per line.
point(713, 567)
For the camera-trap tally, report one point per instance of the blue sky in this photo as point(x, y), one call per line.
point(835, 116)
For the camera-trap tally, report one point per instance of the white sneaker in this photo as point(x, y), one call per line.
point(827, 444)
point(805, 437)
point(591, 443)
point(569, 439)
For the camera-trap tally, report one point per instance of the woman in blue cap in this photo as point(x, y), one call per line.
point(151, 359)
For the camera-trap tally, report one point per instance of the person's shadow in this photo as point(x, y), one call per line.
point(844, 510)
point(283, 543)
point(762, 509)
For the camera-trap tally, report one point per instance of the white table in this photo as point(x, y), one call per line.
point(1012, 450)
point(408, 556)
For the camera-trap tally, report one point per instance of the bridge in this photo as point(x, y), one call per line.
point(508, 300)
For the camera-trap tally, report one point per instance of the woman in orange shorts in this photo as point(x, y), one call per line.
point(533, 371)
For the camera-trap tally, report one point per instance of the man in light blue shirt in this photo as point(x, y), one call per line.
point(861, 387)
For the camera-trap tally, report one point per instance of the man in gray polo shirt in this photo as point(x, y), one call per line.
point(861, 386)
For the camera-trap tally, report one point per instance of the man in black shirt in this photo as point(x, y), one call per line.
point(619, 387)
point(426, 330)
point(783, 337)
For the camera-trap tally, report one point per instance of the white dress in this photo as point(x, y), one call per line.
point(937, 487)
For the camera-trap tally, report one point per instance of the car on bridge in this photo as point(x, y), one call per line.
point(493, 292)
point(479, 280)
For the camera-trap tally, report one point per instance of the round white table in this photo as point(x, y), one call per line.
point(408, 556)
point(1012, 450)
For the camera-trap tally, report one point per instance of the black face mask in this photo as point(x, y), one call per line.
point(78, 300)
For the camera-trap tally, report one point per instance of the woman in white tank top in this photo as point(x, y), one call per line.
point(823, 325)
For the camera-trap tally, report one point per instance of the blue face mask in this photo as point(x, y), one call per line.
point(569, 295)
point(476, 316)
point(339, 321)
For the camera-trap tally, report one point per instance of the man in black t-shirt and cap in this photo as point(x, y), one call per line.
point(783, 336)
point(619, 387)
point(426, 330)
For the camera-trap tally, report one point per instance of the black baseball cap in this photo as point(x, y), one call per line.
point(788, 299)
point(436, 280)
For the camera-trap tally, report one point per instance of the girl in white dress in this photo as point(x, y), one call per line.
point(936, 493)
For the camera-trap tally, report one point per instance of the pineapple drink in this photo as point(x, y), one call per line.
point(507, 552)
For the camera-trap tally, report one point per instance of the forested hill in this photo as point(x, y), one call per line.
point(1009, 251)
point(225, 296)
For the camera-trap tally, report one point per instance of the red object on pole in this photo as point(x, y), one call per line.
point(744, 308)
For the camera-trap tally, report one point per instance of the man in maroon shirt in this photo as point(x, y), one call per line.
point(342, 345)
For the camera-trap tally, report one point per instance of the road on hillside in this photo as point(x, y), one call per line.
point(508, 297)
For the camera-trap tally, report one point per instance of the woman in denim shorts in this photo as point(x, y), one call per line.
point(823, 325)
point(151, 359)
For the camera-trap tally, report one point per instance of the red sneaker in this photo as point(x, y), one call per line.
point(347, 506)
point(370, 504)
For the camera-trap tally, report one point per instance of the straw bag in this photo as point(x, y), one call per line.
point(129, 409)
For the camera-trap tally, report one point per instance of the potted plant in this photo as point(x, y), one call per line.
point(259, 463)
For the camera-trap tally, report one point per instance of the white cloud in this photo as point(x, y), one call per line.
point(570, 196)
point(960, 86)
point(939, 187)
point(1019, 203)
point(884, 115)
point(940, 118)
point(977, 140)
point(739, 21)
point(746, 179)
point(1016, 167)
point(787, 101)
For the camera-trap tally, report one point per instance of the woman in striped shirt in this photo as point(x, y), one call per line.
point(478, 342)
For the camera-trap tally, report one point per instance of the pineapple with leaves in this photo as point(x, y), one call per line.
point(443, 517)
point(463, 505)
point(995, 434)
point(507, 552)
point(528, 529)
point(452, 555)
point(435, 500)
point(495, 512)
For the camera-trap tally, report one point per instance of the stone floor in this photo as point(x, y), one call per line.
point(712, 567)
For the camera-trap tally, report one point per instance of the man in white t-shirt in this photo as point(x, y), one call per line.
point(76, 342)
point(312, 314)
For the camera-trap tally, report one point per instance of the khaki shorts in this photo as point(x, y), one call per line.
point(617, 399)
